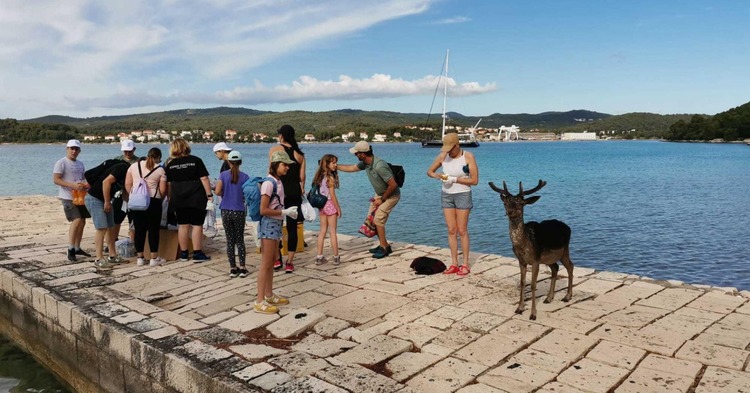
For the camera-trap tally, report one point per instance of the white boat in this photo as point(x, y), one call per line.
point(465, 139)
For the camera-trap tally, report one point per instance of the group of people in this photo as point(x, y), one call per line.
point(183, 179)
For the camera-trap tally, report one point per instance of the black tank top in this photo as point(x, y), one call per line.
point(291, 180)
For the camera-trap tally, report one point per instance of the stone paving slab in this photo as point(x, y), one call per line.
point(437, 333)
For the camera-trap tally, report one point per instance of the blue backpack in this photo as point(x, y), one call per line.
point(251, 191)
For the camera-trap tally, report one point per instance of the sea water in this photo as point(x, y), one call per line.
point(663, 210)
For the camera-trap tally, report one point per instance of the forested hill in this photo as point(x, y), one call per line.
point(630, 125)
point(731, 125)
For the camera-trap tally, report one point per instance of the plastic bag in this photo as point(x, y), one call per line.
point(209, 224)
point(125, 248)
point(308, 211)
point(79, 196)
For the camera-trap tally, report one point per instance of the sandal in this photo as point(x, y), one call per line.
point(452, 269)
point(464, 270)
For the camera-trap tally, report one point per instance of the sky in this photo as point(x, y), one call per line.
point(87, 58)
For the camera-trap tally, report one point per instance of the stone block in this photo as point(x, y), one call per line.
point(296, 322)
point(407, 364)
point(179, 321)
point(361, 306)
point(516, 377)
point(248, 321)
point(271, 380)
point(50, 306)
point(649, 380)
point(455, 338)
point(256, 352)
point(160, 333)
point(363, 333)
point(87, 353)
point(307, 385)
point(356, 378)
point(617, 355)
point(446, 376)
point(374, 351)
point(22, 290)
point(592, 376)
point(557, 387)
point(564, 345)
point(479, 388)
point(203, 352)
point(540, 360)
point(713, 355)
point(253, 371)
point(299, 364)
point(480, 322)
point(330, 326)
point(148, 359)
point(489, 349)
point(416, 333)
point(521, 330)
point(325, 348)
point(722, 380)
point(409, 312)
point(111, 374)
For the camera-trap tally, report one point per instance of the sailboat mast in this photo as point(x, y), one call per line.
point(445, 92)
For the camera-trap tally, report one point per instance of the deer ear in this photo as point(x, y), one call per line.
point(529, 201)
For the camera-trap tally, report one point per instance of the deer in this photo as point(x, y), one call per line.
point(536, 243)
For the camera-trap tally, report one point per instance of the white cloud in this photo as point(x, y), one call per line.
point(81, 54)
point(451, 21)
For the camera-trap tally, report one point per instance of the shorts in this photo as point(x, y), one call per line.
point(329, 209)
point(190, 216)
point(74, 212)
point(117, 208)
point(269, 228)
point(101, 219)
point(460, 201)
point(381, 215)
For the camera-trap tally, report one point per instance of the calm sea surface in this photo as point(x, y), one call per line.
point(663, 210)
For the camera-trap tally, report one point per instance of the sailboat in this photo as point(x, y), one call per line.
point(465, 139)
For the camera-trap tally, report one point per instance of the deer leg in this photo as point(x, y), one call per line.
point(519, 309)
point(534, 274)
point(551, 294)
point(569, 268)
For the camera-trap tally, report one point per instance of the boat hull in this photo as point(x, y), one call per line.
point(463, 144)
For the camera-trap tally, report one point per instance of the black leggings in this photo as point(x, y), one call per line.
point(234, 228)
point(291, 223)
point(149, 221)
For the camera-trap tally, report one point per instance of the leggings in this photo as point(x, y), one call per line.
point(149, 221)
point(234, 228)
point(291, 223)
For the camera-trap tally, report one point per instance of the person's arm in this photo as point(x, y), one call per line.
point(435, 165)
point(302, 166)
point(348, 168)
point(392, 186)
point(207, 187)
point(219, 190)
point(58, 180)
point(107, 192)
point(265, 207)
point(332, 193)
point(273, 150)
point(473, 178)
point(163, 187)
point(129, 180)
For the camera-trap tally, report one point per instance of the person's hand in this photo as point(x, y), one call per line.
point(107, 207)
point(290, 212)
point(338, 213)
point(377, 201)
point(450, 180)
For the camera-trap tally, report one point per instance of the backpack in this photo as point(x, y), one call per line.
point(398, 174)
point(427, 265)
point(97, 173)
point(316, 199)
point(140, 197)
point(251, 192)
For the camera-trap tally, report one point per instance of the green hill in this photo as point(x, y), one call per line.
point(731, 125)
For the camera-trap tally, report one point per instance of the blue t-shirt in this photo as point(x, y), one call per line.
point(233, 199)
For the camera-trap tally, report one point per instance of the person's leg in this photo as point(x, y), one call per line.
point(265, 271)
point(153, 218)
point(141, 227)
point(332, 228)
point(462, 219)
point(99, 243)
point(111, 236)
point(183, 236)
point(451, 223)
point(79, 233)
point(291, 244)
point(199, 216)
point(229, 228)
point(240, 237)
point(322, 233)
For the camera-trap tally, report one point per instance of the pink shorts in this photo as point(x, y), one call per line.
point(329, 209)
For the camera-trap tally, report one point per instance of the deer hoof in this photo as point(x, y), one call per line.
point(546, 301)
point(532, 317)
point(566, 299)
point(519, 311)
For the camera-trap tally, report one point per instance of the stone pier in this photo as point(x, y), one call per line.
point(366, 325)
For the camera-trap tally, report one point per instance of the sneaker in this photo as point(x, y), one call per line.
point(200, 257)
point(375, 249)
point(289, 267)
point(277, 300)
point(184, 256)
point(156, 261)
point(82, 253)
point(117, 260)
point(243, 272)
point(278, 264)
point(71, 254)
point(453, 269)
point(102, 264)
point(320, 260)
point(381, 253)
point(141, 262)
point(234, 272)
point(337, 260)
point(265, 308)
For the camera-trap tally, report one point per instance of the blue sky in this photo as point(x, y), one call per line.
point(92, 58)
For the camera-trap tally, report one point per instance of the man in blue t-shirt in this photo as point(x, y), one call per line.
point(387, 193)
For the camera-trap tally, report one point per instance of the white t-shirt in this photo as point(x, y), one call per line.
point(72, 172)
point(266, 188)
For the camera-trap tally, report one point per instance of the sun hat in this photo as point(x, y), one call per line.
point(74, 143)
point(360, 147)
point(234, 155)
point(221, 146)
point(449, 140)
point(127, 145)
point(281, 156)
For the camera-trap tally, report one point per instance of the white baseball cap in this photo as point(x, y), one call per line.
point(74, 143)
point(360, 147)
point(221, 146)
point(127, 145)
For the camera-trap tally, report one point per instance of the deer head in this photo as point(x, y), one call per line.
point(514, 203)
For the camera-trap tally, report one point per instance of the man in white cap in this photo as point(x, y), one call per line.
point(387, 193)
point(221, 150)
point(68, 175)
point(127, 146)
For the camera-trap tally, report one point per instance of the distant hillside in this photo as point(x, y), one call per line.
point(731, 125)
point(630, 125)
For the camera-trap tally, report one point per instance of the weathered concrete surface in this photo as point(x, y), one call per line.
point(364, 326)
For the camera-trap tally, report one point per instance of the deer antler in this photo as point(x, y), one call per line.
point(503, 191)
point(539, 186)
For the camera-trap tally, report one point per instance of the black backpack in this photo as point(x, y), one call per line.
point(398, 174)
point(427, 265)
point(96, 174)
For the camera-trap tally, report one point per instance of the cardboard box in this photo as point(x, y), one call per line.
point(168, 246)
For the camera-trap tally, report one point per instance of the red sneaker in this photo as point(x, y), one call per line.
point(289, 267)
point(451, 270)
point(277, 265)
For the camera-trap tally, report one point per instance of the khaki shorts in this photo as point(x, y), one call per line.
point(381, 215)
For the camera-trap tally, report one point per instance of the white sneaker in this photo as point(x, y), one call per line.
point(157, 261)
point(141, 262)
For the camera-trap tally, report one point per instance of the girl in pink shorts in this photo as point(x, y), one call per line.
point(328, 179)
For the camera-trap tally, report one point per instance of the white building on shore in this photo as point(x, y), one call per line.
point(578, 136)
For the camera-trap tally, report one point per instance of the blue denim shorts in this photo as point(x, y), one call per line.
point(269, 228)
point(460, 201)
point(101, 219)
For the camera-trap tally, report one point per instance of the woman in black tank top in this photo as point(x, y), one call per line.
point(294, 182)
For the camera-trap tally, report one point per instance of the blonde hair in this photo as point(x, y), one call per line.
point(179, 148)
